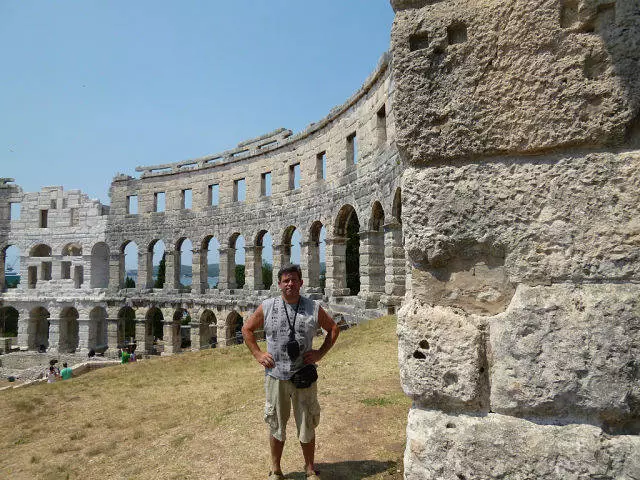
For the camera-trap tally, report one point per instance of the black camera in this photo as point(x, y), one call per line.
point(293, 349)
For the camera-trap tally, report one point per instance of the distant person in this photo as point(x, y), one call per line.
point(66, 373)
point(290, 322)
point(124, 358)
point(52, 375)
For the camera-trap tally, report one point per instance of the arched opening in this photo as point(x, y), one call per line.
point(72, 250)
point(154, 330)
point(181, 329)
point(234, 328)
point(372, 269)
point(210, 271)
point(10, 267)
point(38, 337)
point(396, 211)
point(9, 322)
point(98, 329)
point(208, 329)
point(157, 272)
point(126, 327)
point(128, 265)
point(395, 264)
point(316, 251)
point(69, 330)
point(184, 264)
point(100, 266)
point(347, 252)
point(42, 253)
point(263, 260)
point(235, 260)
point(69, 268)
point(291, 245)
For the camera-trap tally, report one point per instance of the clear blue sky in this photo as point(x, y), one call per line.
point(92, 88)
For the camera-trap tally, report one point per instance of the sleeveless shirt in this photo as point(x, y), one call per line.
point(276, 331)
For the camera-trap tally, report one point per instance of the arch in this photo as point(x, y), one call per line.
point(69, 330)
point(9, 317)
point(208, 329)
point(234, 328)
point(346, 252)
point(156, 264)
point(72, 250)
point(100, 265)
point(181, 329)
point(377, 217)
point(263, 260)
point(372, 269)
point(396, 210)
point(210, 262)
point(38, 328)
point(98, 329)
point(129, 267)
point(184, 263)
point(126, 327)
point(291, 240)
point(235, 261)
point(154, 330)
point(40, 250)
point(10, 274)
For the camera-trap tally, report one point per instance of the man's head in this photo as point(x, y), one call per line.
point(64, 364)
point(290, 281)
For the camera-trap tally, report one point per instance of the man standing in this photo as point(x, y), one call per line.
point(290, 322)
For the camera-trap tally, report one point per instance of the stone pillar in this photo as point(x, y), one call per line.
point(394, 260)
point(172, 274)
point(223, 276)
point(54, 332)
point(231, 268)
point(310, 265)
point(372, 264)
point(195, 336)
point(278, 261)
point(199, 271)
point(116, 269)
point(145, 270)
point(24, 328)
point(141, 335)
point(171, 332)
point(56, 267)
point(253, 267)
point(83, 333)
point(3, 283)
point(336, 267)
point(112, 330)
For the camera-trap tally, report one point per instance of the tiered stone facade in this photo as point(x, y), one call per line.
point(72, 297)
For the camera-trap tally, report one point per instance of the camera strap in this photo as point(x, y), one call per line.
point(292, 331)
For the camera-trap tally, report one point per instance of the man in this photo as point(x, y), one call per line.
point(290, 322)
point(66, 373)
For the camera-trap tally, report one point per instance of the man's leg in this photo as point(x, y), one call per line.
point(308, 451)
point(277, 448)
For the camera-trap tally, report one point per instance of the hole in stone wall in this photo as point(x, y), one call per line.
point(424, 345)
point(457, 33)
point(451, 425)
point(419, 355)
point(450, 378)
point(418, 41)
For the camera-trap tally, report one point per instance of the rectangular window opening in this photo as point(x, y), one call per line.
point(214, 195)
point(239, 190)
point(321, 165)
point(65, 270)
point(381, 119)
point(186, 199)
point(74, 219)
point(44, 218)
point(265, 184)
point(54, 204)
point(352, 149)
point(45, 271)
point(32, 273)
point(78, 276)
point(132, 204)
point(14, 212)
point(294, 176)
point(159, 202)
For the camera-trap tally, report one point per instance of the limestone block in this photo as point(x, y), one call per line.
point(462, 447)
point(499, 76)
point(442, 357)
point(569, 351)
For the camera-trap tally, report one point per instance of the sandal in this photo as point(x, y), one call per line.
point(276, 476)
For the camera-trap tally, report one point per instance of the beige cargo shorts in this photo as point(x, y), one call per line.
point(280, 395)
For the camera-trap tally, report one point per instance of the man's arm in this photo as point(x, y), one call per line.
point(327, 323)
point(256, 321)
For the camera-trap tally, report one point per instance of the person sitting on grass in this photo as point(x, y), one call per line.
point(66, 373)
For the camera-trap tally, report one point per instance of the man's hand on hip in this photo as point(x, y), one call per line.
point(312, 356)
point(265, 359)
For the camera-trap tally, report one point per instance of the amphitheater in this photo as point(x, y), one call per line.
point(489, 169)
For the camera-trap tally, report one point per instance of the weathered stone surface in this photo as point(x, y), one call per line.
point(555, 219)
point(442, 357)
point(569, 351)
point(481, 78)
point(462, 447)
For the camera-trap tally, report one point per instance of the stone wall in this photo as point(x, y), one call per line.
point(519, 338)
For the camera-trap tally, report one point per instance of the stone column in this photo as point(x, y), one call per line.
point(171, 332)
point(116, 269)
point(371, 265)
point(336, 267)
point(24, 328)
point(253, 267)
point(3, 283)
point(172, 274)
point(195, 333)
point(56, 267)
point(223, 274)
point(310, 265)
point(145, 270)
point(199, 271)
point(83, 333)
point(231, 268)
point(141, 335)
point(278, 253)
point(112, 330)
point(395, 262)
point(54, 332)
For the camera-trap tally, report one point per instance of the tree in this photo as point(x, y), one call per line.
point(129, 283)
point(239, 276)
point(267, 275)
point(162, 272)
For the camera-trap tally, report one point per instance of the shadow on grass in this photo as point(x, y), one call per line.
point(351, 470)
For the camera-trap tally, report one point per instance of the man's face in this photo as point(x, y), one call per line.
point(290, 284)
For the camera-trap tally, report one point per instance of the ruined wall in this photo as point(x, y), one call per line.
point(520, 336)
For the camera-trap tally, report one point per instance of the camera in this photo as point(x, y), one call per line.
point(293, 349)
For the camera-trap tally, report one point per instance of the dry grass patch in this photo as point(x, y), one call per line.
point(199, 415)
